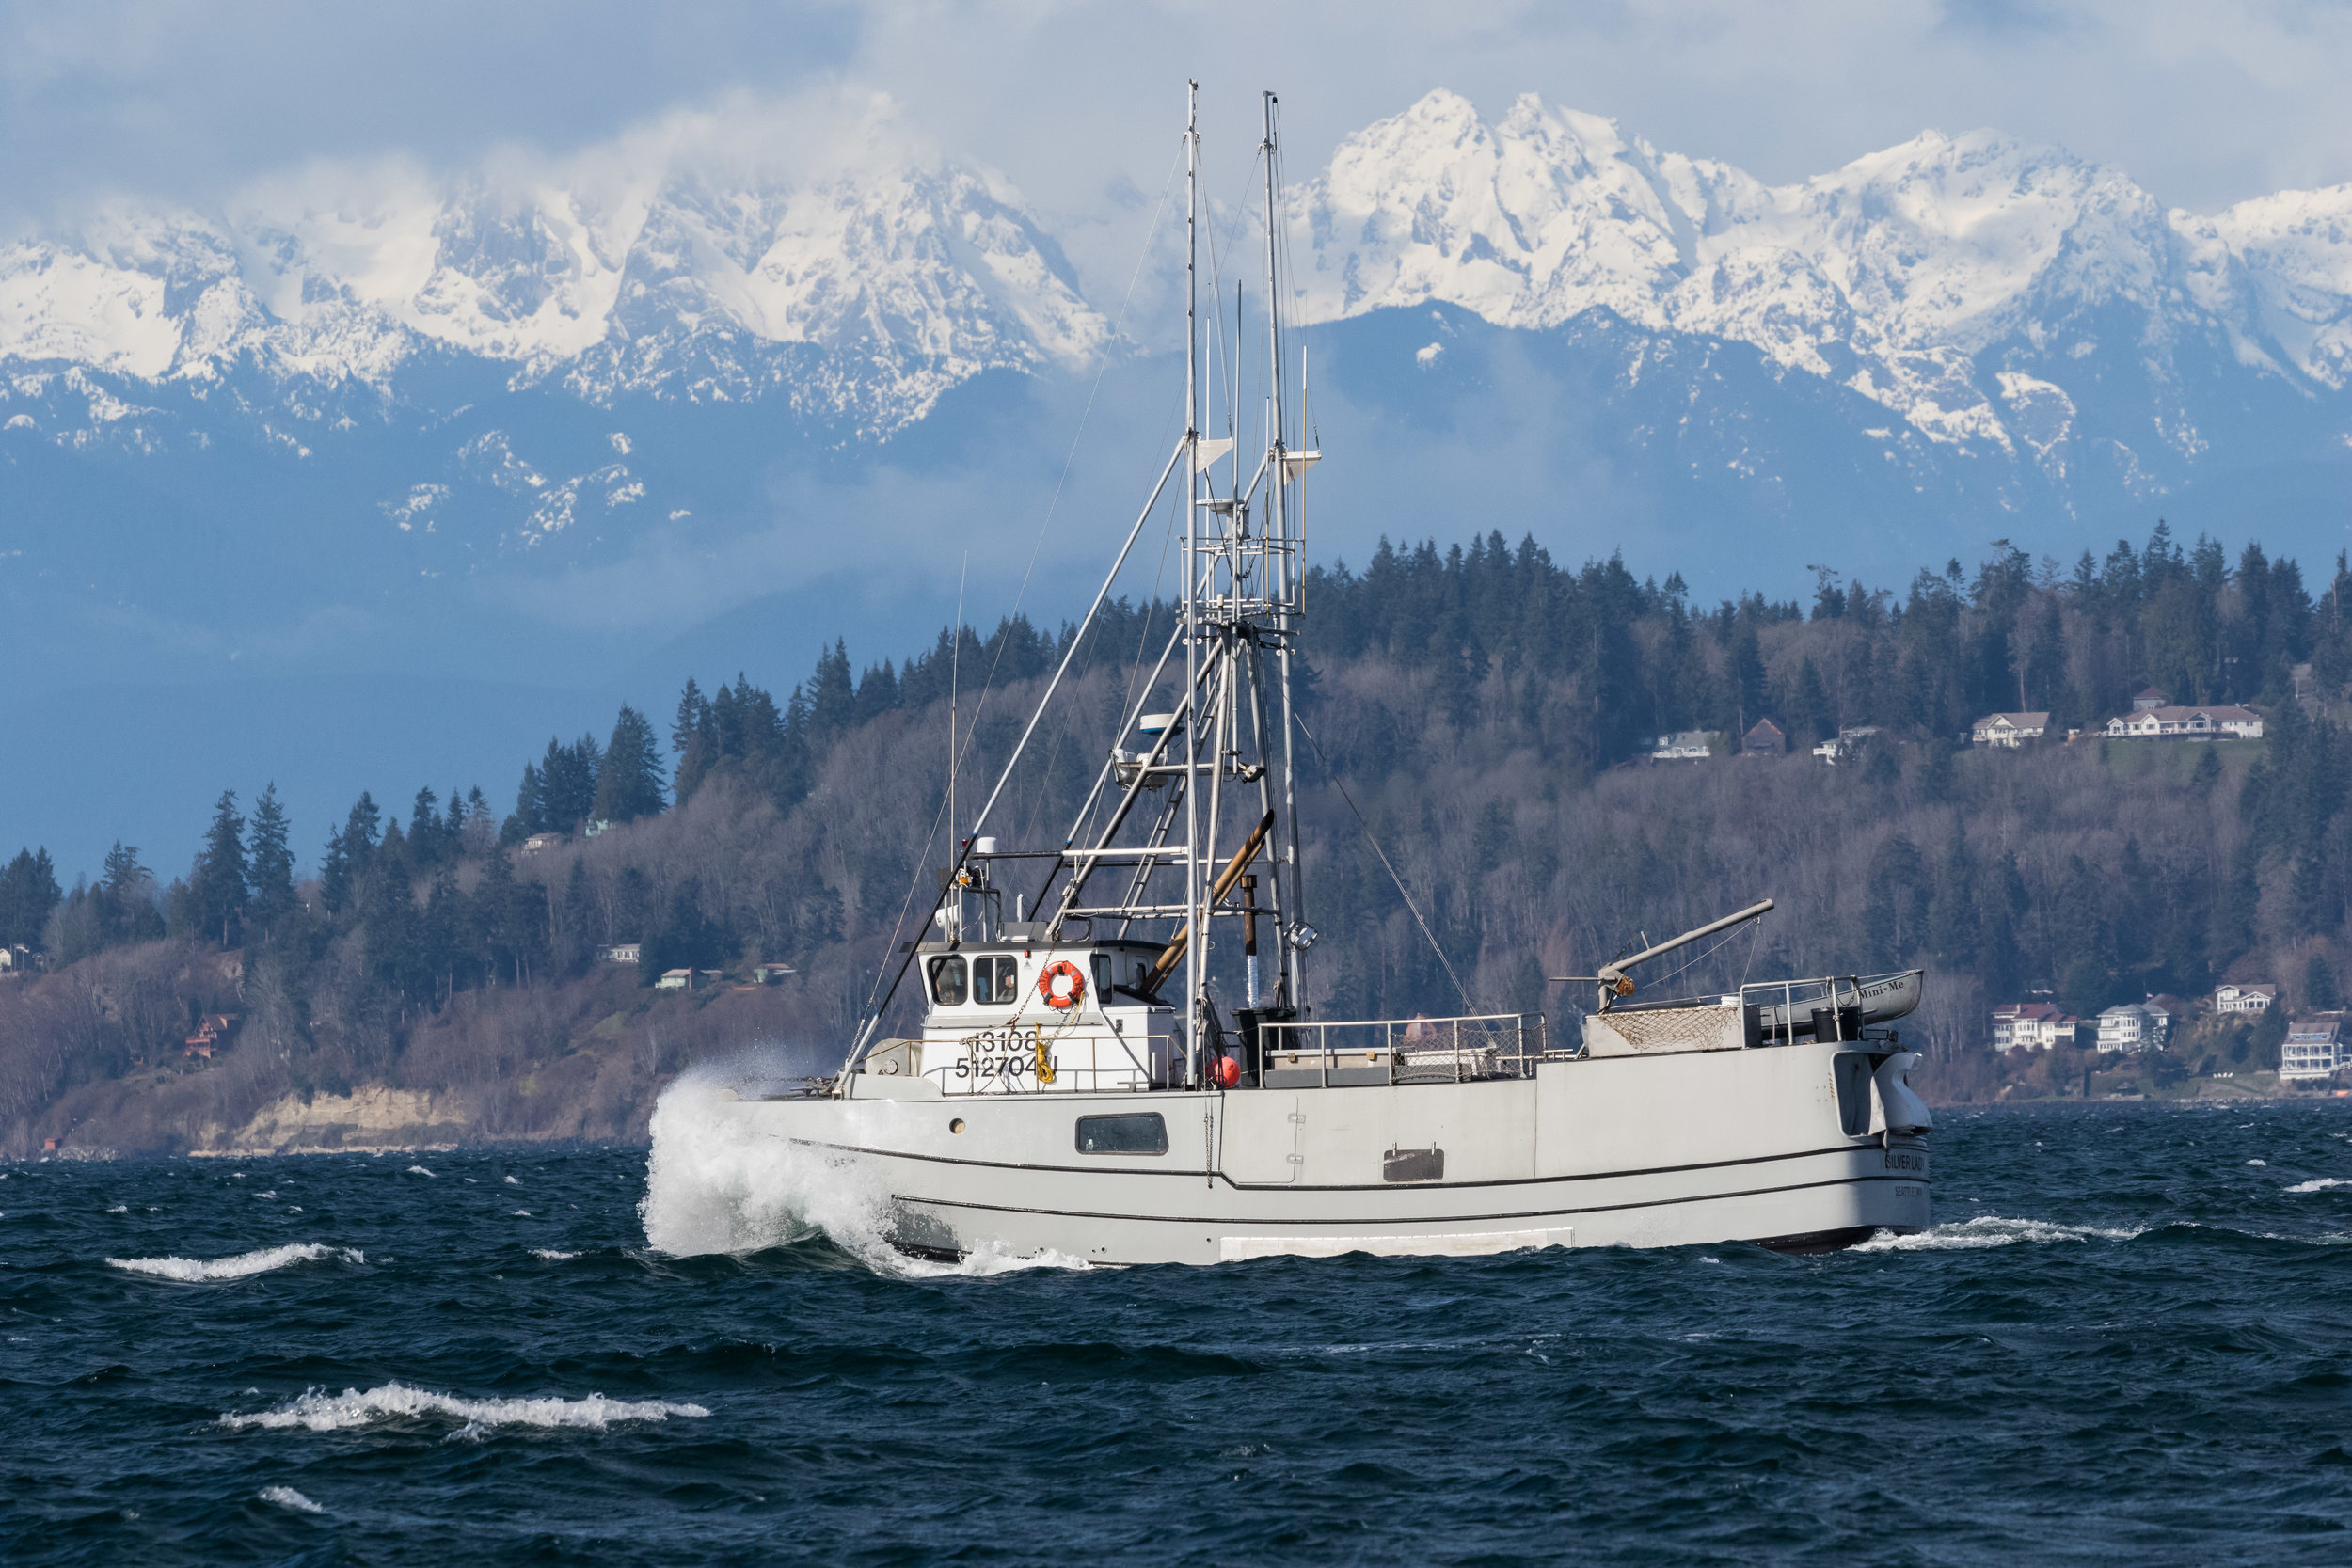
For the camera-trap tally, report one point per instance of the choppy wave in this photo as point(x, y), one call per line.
point(716, 1183)
point(2320, 1185)
point(286, 1497)
point(1992, 1231)
point(320, 1411)
point(419, 1170)
point(241, 1266)
point(553, 1256)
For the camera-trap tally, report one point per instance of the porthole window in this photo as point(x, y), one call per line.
point(947, 981)
point(1140, 1132)
point(996, 978)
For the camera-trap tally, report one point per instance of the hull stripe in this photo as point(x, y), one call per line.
point(1195, 1173)
point(1414, 1219)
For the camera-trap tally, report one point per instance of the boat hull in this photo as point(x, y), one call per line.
point(1768, 1145)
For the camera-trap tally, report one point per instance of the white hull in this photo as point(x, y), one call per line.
point(1656, 1150)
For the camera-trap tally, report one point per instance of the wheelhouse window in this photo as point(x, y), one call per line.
point(1139, 1132)
point(1101, 980)
point(996, 978)
point(947, 981)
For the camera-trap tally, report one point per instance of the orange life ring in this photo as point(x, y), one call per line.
point(1062, 969)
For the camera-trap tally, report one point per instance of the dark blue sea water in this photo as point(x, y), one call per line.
point(2129, 1338)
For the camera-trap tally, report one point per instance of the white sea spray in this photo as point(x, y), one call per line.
point(243, 1266)
point(717, 1182)
point(320, 1411)
point(286, 1497)
point(1992, 1231)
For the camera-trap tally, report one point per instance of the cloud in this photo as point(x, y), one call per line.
point(2205, 101)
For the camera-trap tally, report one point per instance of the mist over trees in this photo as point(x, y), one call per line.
point(1486, 710)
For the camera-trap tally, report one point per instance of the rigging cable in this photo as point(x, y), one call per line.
point(1300, 720)
point(916, 881)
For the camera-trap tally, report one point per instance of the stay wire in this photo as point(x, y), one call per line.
point(914, 882)
point(1403, 892)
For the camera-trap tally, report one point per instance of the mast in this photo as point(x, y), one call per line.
point(1196, 977)
point(1290, 930)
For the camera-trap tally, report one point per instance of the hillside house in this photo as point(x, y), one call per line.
point(676, 980)
point(1683, 745)
point(2010, 730)
point(2314, 1047)
point(539, 844)
point(2125, 1027)
point(2218, 721)
point(2150, 699)
point(1846, 739)
point(619, 953)
point(2032, 1027)
point(213, 1033)
point(2166, 1014)
point(2255, 997)
point(769, 974)
point(1764, 739)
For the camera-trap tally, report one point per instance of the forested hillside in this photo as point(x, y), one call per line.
point(1483, 709)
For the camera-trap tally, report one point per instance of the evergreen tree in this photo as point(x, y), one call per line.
point(350, 856)
point(694, 738)
point(2320, 990)
point(686, 937)
point(1894, 912)
point(217, 885)
point(125, 898)
point(531, 803)
point(832, 700)
point(29, 892)
point(1809, 719)
point(427, 846)
point(575, 936)
point(1952, 919)
point(270, 864)
point(629, 786)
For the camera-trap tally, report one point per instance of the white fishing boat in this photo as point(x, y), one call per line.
point(1089, 1080)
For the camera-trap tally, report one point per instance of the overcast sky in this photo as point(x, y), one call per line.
point(2204, 101)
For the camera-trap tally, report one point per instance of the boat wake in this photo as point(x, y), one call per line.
point(319, 1411)
point(1992, 1231)
point(716, 1184)
point(244, 1266)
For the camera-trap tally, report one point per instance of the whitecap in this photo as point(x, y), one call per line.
point(319, 1411)
point(553, 1256)
point(512, 1182)
point(1992, 1231)
point(119, 1209)
point(2319, 1185)
point(243, 1266)
point(2258, 1162)
point(522, 1213)
point(419, 1170)
point(286, 1497)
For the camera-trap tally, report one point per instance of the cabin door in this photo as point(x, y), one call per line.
point(1265, 1138)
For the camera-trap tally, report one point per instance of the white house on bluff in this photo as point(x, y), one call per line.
point(2313, 1048)
point(2220, 721)
point(2255, 998)
point(2011, 730)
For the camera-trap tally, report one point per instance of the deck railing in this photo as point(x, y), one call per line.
point(1400, 1049)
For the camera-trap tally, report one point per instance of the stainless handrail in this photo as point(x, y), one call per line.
point(1443, 1039)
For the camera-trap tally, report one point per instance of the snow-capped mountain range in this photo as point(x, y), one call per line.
point(863, 297)
point(1958, 282)
point(1951, 280)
